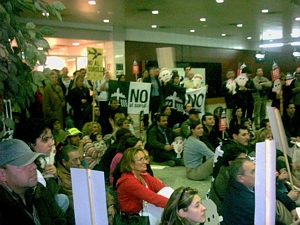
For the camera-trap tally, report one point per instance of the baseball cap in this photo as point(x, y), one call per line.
point(194, 111)
point(72, 132)
point(16, 153)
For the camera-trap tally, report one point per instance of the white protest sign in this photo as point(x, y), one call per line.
point(265, 195)
point(139, 98)
point(89, 197)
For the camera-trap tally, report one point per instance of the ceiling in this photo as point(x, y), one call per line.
point(180, 16)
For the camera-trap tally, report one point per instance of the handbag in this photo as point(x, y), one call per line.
point(135, 219)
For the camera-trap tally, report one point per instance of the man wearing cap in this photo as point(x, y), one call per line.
point(22, 199)
point(185, 126)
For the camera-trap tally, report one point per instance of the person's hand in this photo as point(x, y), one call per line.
point(168, 147)
point(283, 176)
point(83, 100)
point(177, 130)
point(294, 215)
point(50, 169)
point(293, 195)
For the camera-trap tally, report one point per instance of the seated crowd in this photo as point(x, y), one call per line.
point(38, 186)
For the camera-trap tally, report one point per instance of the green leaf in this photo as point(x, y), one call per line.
point(47, 31)
point(32, 34)
point(38, 77)
point(12, 58)
point(3, 69)
point(30, 52)
point(12, 69)
point(21, 101)
point(34, 87)
point(41, 57)
point(59, 6)
point(42, 43)
point(58, 16)
point(37, 5)
point(51, 9)
point(47, 71)
point(30, 25)
point(41, 90)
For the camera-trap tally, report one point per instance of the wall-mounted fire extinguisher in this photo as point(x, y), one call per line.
point(135, 68)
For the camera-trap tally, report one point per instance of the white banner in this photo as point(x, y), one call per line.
point(139, 97)
point(197, 98)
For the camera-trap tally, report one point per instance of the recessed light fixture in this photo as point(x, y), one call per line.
point(249, 38)
point(239, 25)
point(92, 2)
point(45, 14)
point(192, 31)
point(219, 1)
point(223, 35)
point(203, 19)
point(155, 12)
point(297, 18)
point(296, 43)
point(75, 43)
point(106, 21)
point(40, 48)
point(154, 26)
point(271, 45)
point(265, 11)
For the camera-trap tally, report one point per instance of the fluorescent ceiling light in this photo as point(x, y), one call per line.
point(223, 35)
point(297, 18)
point(239, 25)
point(265, 11)
point(92, 2)
point(40, 48)
point(249, 38)
point(295, 33)
point(203, 19)
point(155, 12)
point(271, 45)
point(296, 54)
point(106, 21)
point(154, 26)
point(219, 1)
point(192, 31)
point(295, 43)
point(76, 43)
point(272, 34)
point(260, 55)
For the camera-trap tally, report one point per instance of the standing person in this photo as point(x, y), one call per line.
point(54, 100)
point(22, 199)
point(64, 81)
point(184, 208)
point(246, 101)
point(81, 101)
point(189, 82)
point(295, 91)
point(145, 74)
point(263, 85)
point(193, 153)
point(229, 89)
point(155, 100)
point(102, 88)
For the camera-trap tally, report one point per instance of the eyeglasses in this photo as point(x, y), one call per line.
point(145, 158)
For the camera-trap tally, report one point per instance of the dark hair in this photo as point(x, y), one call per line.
point(234, 111)
point(246, 70)
point(181, 198)
point(264, 122)
point(236, 167)
point(121, 121)
point(65, 152)
point(217, 109)
point(93, 137)
point(53, 121)
point(184, 107)
point(164, 108)
point(231, 154)
point(120, 76)
point(32, 129)
point(127, 141)
point(243, 120)
point(186, 67)
point(159, 115)
point(113, 99)
point(194, 124)
point(236, 129)
point(121, 132)
point(205, 115)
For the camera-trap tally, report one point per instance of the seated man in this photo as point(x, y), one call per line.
point(111, 110)
point(239, 202)
point(239, 138)
point(71, 158)
point(22, 199)
point(160, 138)
point(185, 126)
point(210, 136)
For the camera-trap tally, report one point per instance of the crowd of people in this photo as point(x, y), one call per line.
point(83, 128)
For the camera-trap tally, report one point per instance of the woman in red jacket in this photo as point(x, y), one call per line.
point(136, 187)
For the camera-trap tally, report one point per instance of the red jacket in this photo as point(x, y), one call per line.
point(131, 193)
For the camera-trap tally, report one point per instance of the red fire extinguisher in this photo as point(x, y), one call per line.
point(135, 67)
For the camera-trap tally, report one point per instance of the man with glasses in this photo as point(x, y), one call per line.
point(22, 199)
point(239, 202)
